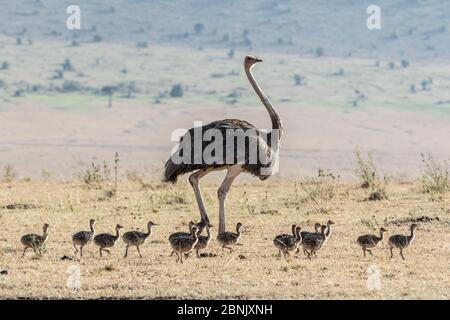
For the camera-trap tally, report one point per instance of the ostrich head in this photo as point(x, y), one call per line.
point(249, 61)
point(151, 224)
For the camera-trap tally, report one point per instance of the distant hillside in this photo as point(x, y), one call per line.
point(410, 28)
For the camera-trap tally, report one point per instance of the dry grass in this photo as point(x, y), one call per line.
point(265, 209)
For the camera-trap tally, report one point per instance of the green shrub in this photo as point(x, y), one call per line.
point(370, 179)
point(176, 91)
point(71, 86)
point(435, 175)
point(9, 173)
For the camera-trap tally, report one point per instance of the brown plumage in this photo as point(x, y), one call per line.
point(401, 241)
point(106, 240)
point(182, 160)
point(182, 234)
point(227, 238)
point(316, 231)
point(287, 242)
point(370, 241)
point(203, 241)
point(137, 238)
point(314, 242)
point(35, 241)
point(183, 245)
point(83, 238)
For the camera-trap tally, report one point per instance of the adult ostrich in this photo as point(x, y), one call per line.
point(243, 154)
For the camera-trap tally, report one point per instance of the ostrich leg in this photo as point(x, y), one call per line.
point(194, 179)
point(232, 173)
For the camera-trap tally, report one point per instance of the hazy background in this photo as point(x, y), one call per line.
point(164, 64)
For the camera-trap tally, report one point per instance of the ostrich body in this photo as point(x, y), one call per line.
point(308, 234)
point(83, 238)
point(266, 143)
point(369, 241)
point(137, 238)
point(106, 240)
point(402, 241)
point(227, 238)
point(286, 242)
point(314, 242)
point(35, 241)
point(184, 245)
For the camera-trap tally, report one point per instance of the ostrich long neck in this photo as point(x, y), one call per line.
point(92, 228)
point(274, 117)
point(411, 237)
point(298, 235)
point(328, 231)
point(117, 234)
point(149, 231)
point(381, 235)
point(238, 230)
point(294, 228)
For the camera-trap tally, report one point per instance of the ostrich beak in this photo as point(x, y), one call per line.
point(258, 60)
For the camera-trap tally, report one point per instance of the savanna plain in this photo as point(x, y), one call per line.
point(139, 70)
point(253, 270)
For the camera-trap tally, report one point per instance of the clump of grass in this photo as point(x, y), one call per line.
point(370, 178)
point(95, 175)
point(249, 206)
point(136, 177)
point(109, 267)
point(116, 171)
point(323, 187)
point(98, 176)
point(317, 190)
point(9, 173)
point(435, 176)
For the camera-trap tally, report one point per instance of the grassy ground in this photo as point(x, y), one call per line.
point(252, 271)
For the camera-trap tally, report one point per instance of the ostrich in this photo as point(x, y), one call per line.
point(267, 144)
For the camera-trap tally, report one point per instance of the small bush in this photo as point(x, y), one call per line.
point(71, 86)
point(19, 93)
point(59, 74)
point(142, 45)
point(95, 175)
point(231, 53)
point(370, 179)
point(323, 187)
point(404, 63)
point(199, 27)
point(97, 38)
point(319, 52)
point(4, 66)
point(9, 173)
point(298, 80)
point(176, 91)
point(435, 176)
point(67, 65)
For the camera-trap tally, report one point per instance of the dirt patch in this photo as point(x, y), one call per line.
point(422, 219)
point(19, 206)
